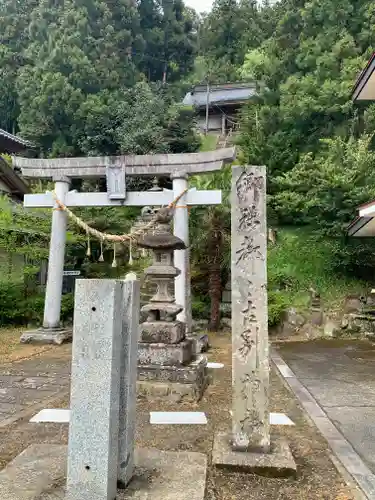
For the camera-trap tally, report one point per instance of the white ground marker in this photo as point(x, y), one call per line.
point(60, 416)
point(215, 365)
point(278, 419)
point(177, 417)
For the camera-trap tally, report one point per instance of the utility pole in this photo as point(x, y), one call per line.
point(207, 105)
point(165, 67)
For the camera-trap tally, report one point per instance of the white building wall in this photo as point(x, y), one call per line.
point(214, 123)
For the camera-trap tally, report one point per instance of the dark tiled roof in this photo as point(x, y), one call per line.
point(220, 94)
point(10, 143)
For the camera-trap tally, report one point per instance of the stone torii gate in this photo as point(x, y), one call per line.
point(115, 169)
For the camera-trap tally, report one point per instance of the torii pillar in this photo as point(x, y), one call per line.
point(182, 284)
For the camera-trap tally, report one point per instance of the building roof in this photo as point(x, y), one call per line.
point(364, 224)
point(220, 94)
point(10, 143)
point(17, 186)
point(364, 88)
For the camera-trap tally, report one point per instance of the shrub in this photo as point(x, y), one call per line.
point(11, 303)
point(17, 308)
point(277, 305)
point(200, 309)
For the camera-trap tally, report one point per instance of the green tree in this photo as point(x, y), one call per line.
point(75, 50)
point(178, 45)
point(229, 31)
point(220, 34)
point(169, 32)
point(305, 72)
point(323, 191)
point(210, 237)
point(149, 124)
point(14, 21)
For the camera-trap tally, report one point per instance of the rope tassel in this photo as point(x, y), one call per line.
point(114, 262)
point(101, 256)
point(130, 253)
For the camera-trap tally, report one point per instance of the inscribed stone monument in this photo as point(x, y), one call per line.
point(249, 445)
point(249, 311)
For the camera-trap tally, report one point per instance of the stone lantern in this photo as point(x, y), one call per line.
point(162, 307)
point(166, 361)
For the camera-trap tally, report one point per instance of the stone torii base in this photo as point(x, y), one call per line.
point(42, 335)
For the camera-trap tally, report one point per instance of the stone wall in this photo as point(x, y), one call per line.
point(355, 317)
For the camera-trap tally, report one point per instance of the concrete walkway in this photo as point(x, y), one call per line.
point(335, 382)
point(28, 384)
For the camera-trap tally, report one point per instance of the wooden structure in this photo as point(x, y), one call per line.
point(223, 102)
point(364, 91)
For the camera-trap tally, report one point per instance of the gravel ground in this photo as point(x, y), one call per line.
point(11, 349)
point(317, 476)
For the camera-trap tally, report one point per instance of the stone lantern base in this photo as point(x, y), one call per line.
point(173, 383)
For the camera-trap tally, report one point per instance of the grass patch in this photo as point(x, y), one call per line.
point(209, 142)
point(298, 261)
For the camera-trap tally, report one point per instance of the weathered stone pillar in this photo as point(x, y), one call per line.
point(128, 380)
point(223, 124)
point(248, 444)
point(52, 333)
point(250, 367)
point(95, 393)
point(181, 257)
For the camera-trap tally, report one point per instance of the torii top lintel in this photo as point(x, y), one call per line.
point(155, 165)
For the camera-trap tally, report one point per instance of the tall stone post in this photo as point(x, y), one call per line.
point(128, 381)
point(181, 257)
point(95, 393)
point(250, 367)
point(248, 444)
point(52, 331)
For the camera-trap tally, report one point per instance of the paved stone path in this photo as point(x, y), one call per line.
point(340, 380)
point(25, 383)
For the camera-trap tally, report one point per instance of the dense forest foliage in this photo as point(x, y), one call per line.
point(72, 73)
point(317, 145)
point(81, 77)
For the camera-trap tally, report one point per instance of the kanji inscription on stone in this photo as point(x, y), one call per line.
point(250, 421)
